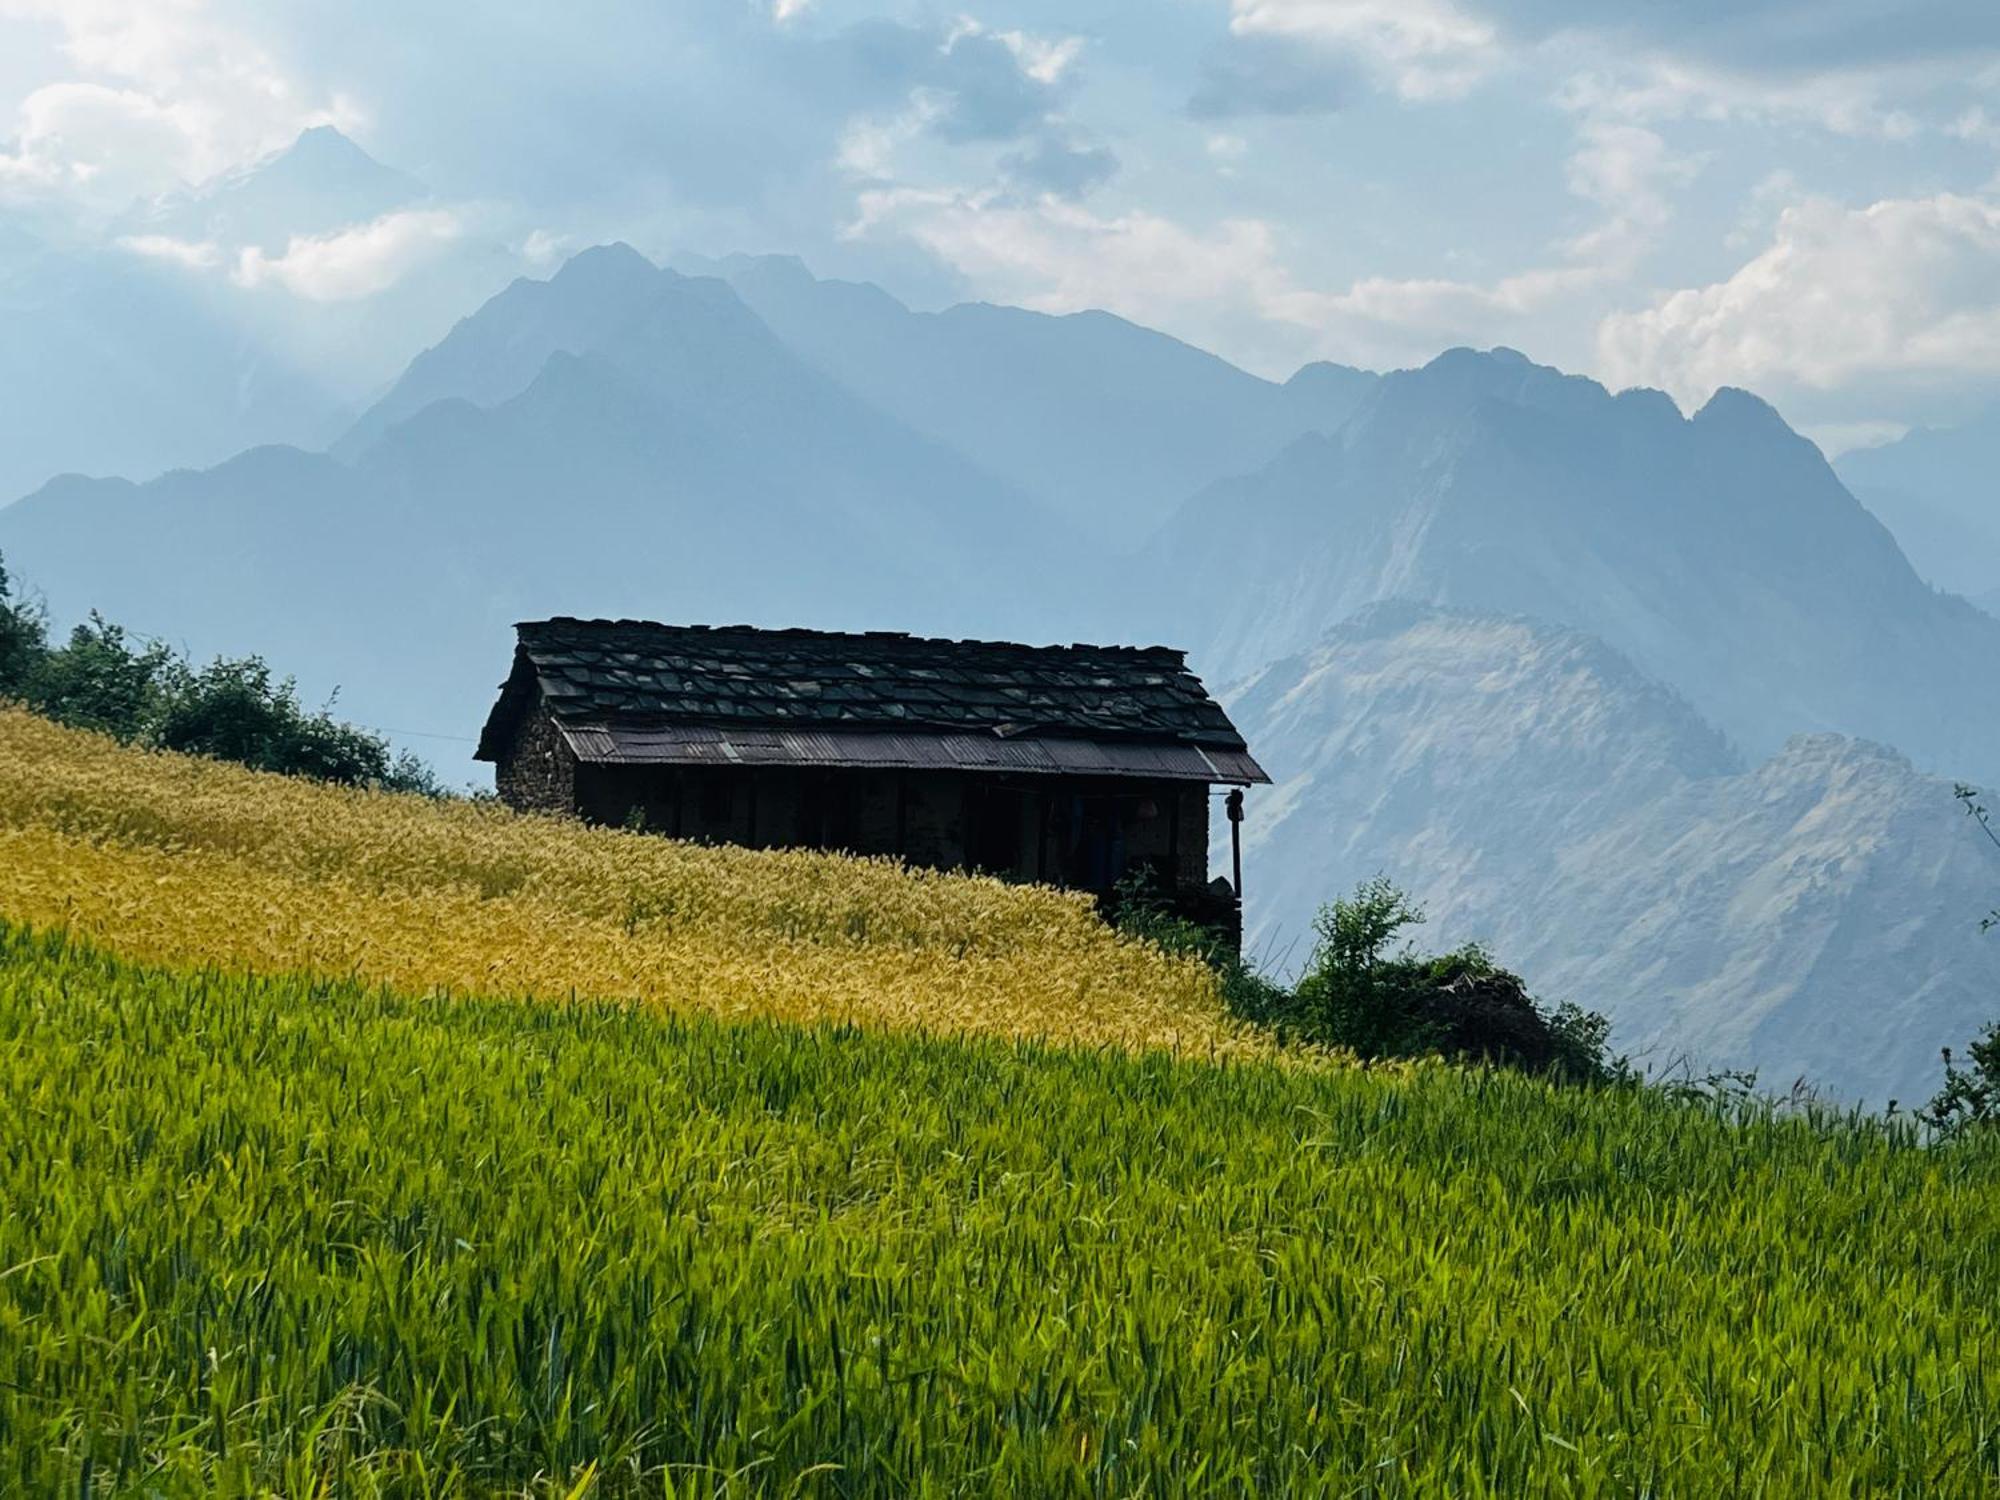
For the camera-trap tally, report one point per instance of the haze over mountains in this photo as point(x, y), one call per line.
point(1109, 422)
point(1811, 916)
point(1537, 651)
point(171, 339)
point(1719, 551)
point(1939, 491)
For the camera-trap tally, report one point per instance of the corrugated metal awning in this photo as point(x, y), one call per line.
point(717, 745)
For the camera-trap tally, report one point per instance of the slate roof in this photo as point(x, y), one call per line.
point(632, 682)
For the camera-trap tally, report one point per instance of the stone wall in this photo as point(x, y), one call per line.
point(537, 773)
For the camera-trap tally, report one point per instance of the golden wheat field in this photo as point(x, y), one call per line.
point(191, 861)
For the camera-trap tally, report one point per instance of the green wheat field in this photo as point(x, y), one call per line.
point(284, 1235)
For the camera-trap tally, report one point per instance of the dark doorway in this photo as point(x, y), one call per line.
point(993, 828)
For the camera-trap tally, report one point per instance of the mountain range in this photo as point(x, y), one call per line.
point(1718, 551)
point(1812, 916)
point(170, 340)
point(1541, 651)
point(1107, 421)
point(1938, 489)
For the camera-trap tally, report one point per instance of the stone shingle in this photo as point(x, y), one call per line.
point(633, 671)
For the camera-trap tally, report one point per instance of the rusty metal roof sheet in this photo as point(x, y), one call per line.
point(747, 745)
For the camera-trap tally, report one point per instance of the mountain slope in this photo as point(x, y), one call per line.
point(1718, 551)
point(117, 364)
point(1111, 423)
point(688, 468)
point(1938, 490)
point(142, 353)
point(321, 182)
point(1814, 916)
point(496, 352)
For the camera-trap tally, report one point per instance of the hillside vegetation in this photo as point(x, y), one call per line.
point(362, 1144)
point(299, 1236)
point(172, 857)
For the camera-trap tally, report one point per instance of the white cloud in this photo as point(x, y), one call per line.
point(1383, 320)
point(1043, 60)
point(1847, 102)
point(1836, 438)
point(1626, 170)
point(196, 255)
point(1428, 48)
point(544, 247)
point(352, 263)
point(784, 12)
point(1226, 288)
point(1217, 288)
point(97, 143)
point(1977, 126)
point(1905, 287)
point(167, 91)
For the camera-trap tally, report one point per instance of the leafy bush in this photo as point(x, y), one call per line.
point(143, 692)
point(1360, 995)
point(102, 680)
point(1970, 1097)
point(23, 638)
point(232, 710)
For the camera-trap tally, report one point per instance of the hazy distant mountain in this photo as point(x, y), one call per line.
point(1816, 915)
point(1112, 423)
point(1719, 551)
point(140, 354)
point(1938, 490)
point(685, 466)
point(113, 363)
point(321, 182)
point(497, 351)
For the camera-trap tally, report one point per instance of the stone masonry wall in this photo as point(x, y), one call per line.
point(537, 773)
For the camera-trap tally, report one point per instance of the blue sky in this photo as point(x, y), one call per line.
point(1799, 196)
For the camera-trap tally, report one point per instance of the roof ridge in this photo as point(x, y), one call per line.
point(806, 632)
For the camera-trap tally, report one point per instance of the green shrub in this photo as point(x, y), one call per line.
point(23, 638)
point(103, 680)
point(233, 710)
point(143, 692)
point(1361, 995)
point(1970, 1098)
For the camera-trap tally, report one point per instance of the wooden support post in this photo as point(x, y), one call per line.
point(1234, 804)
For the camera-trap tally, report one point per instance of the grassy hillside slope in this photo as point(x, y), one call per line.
point(170, 857)
point(855, 1182)
point(305, 1236)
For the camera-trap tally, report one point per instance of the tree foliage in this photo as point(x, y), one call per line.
point(144, 692)
point(1379, 1001)
point(1362, 994)
point(1970, 1098)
